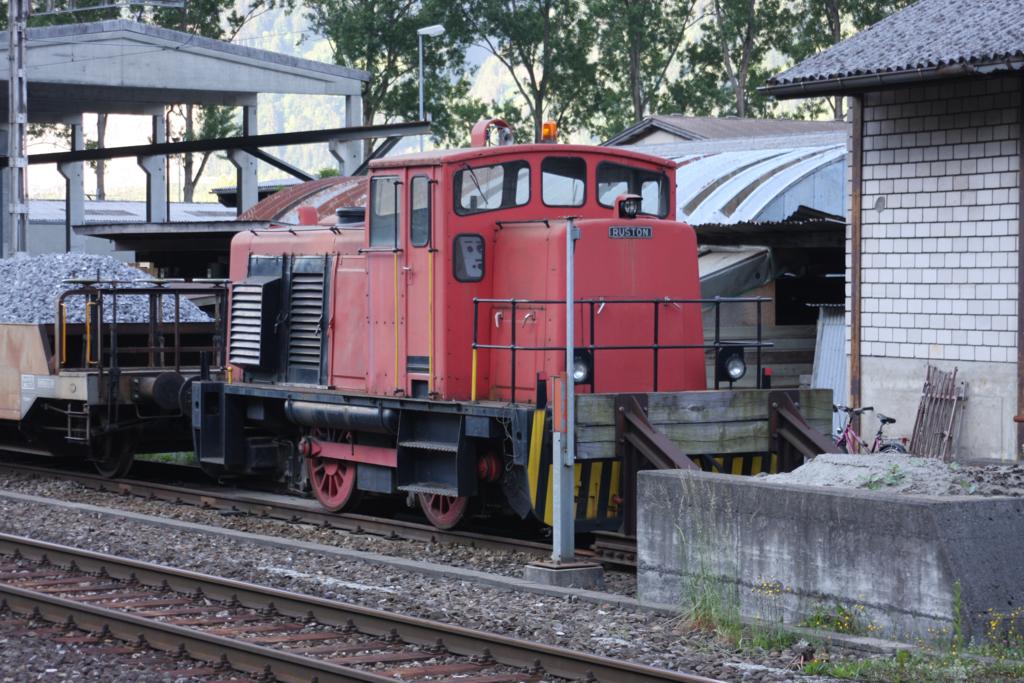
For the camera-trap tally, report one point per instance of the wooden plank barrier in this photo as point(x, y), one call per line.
point(698, 422)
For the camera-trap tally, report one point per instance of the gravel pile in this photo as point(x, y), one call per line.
point(602, 629)
point(899, 473)
point(32, 284)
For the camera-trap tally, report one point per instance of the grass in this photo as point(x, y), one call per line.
point(838, 618)
point(178, 458)
point(907, 667)
point(998, 657)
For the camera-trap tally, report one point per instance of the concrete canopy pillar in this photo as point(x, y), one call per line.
point(349, 153)
point(74, 183)
point(246, 170)
point(156, 175)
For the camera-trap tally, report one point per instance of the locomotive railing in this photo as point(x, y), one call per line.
point(594, 307)
point(161, 340)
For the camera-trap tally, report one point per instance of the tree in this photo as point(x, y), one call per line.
point(214, 122)
point(545, 47)
point(379, 36)
point(819, 24)
point(729, 60)
point(638, 43)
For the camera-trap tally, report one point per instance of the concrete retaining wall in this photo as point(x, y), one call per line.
point(891, 559)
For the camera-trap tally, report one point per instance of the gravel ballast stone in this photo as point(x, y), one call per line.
point(32, 285)
point(603, 629)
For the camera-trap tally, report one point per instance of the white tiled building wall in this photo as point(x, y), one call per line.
point(939, 251)
point(940, 202)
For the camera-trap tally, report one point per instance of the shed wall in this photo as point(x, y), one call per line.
point(939, 266)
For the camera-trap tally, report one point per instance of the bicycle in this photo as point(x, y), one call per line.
point(849, 441)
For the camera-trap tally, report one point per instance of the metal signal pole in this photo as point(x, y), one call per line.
point(564, 446)
point(17, 117)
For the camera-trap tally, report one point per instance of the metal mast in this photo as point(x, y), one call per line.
point(17, 117)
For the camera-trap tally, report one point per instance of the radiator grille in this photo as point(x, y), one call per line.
point(306, 320)
point(246, 324)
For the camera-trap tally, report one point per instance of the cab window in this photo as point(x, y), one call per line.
point(468, 258)
point(384, 211)
point(487, 188)
point(419, 211)
point(563, 181)
point(652, 186)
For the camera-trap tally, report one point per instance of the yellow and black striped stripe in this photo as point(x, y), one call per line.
point(598, 482)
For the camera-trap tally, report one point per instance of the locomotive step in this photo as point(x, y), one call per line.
point(443, 446)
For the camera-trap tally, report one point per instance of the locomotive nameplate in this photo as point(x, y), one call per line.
point(631, 232)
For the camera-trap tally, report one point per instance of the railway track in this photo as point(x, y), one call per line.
point(617, 554)
point(276, 634)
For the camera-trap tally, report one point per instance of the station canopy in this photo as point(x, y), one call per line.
point(125, 67)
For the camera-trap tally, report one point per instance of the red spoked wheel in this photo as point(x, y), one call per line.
point(444, 512)
point(333, 482)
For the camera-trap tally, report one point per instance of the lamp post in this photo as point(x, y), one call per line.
point(432, 31)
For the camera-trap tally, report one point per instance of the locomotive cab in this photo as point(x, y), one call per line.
point(409, 355)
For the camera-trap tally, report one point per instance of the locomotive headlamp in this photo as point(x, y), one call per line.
point(582, 367)
point(731, 367)
point(629, 206)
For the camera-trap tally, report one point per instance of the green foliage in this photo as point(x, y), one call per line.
point(639, 41)
point(730, 59)
point(838, 618)
point(544, 47)
point(379, 36)
point(918, 667)
point(894, 476)
point(327, 172)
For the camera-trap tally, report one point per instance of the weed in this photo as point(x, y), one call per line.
point(839, 618)
point(891, 477)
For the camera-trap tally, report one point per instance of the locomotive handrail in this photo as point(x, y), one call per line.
point(655, 346)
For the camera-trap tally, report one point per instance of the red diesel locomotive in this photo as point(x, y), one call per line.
point(407, 355)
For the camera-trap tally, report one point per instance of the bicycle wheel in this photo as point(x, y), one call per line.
point(892, 447)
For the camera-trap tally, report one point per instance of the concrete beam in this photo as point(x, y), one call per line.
point(156, 176)
point(349, 154)
point(246, 166)
point(74, 184)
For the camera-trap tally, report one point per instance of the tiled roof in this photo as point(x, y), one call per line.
point(715, 128)
point(929, 36)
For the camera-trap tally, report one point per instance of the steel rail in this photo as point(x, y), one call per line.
point(295, 513)
point(458, 640)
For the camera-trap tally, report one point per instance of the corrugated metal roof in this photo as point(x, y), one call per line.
point(925, 37)
point(830, 367)
point(753, 180)
point(51, 211)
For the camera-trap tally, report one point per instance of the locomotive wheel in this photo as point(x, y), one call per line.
point(115, 457)
point(333, 482)
point(444, 512)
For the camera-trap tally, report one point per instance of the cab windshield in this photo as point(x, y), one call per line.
point(652, 186)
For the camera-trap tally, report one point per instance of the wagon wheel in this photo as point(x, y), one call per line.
point(113, 456)
point(333, 482)
point(444, 512)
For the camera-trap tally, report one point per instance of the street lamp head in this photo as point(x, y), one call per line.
point(432, 31)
